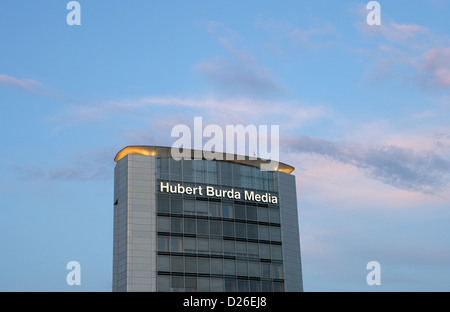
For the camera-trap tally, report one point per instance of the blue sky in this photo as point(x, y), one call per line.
point(364, 115)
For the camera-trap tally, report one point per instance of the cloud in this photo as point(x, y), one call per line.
point(28, 85)
point(426, 172)
point(436, 68)
point(409, 53)
point(219, 111)
point(237, 74)
point(93, 165)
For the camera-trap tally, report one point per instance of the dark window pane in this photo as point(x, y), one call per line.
point(228, 228)
point(255, 286)
point(176, 264)
point(215, 228)
point(202, 208)
point(214, 209)
point(176, 206)
point(190, 226)
point(239, 211)
point(230, 285)
point(252, 231)
point(251, 213)
point(242, 286)
point(241, 230)
point(177, 225)
point(163, 204)
point(202, 227)
point(163, 243)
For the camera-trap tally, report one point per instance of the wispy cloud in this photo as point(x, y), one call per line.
point(409, 53)
point(28, 85)
point(427, 172)
point(237, 74)
point(94, 165)
point(217, 110)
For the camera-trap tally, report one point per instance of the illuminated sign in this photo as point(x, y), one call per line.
point(211, 191)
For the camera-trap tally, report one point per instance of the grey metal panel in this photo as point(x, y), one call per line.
point(292, 267)
point(141, 251)
point(134, 254)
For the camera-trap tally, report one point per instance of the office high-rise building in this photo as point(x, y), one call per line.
point(203, 225)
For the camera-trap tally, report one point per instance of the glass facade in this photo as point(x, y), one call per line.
point(217, 244)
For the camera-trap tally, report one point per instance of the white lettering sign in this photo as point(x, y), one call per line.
point(211, 191)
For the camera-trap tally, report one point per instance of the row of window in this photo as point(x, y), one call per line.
point(219, 247)
point(168, 283)
point(215, 172)
point(217, 266)
point(219, 228)
point(191, 207)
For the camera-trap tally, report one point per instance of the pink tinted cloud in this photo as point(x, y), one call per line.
point(24, 84)
point(436, 66)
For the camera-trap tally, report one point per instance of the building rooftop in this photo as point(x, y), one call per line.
point(164, 151)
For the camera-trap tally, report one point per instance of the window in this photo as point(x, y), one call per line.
point(253, 250)
point(163, 243)
point(275, 234)
point(252, 231)
point(216, 266)
point(203, 284)
point(228, 228)
point(176, 264)
point(263, 214)
point(241, 230)
point(163, 263)
point(217, 284)
point(276, 252)
point(229, 267)
point(264, 251)
point(254, 268)
point(216, 246)
point(239, 211)
point(242, 285)
point(203, 245)
point(241, 249)
point(203, 266)
point(190, 226)
point(230, 285)
point(214, 209)
point(175, 169)
point(255, 286)
point(163, 204)
point(190, 284)
point(227, 210)
point(177, 283)
point(278, 287)
point(176, 205)
point(202, 227)
point(215, 228)
point(265, 270)
point(277, 270)
point(189, 245)
point(263, 232)
point(228, 248)
point(164, 168)
point(176, 244)
point(202, 208)
point(251, 213)
point(241, 268)
point(274, 215)
point(163, 224)
point(189, 207)
point(163, 283)
point(177, 225)
point(266, 286)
